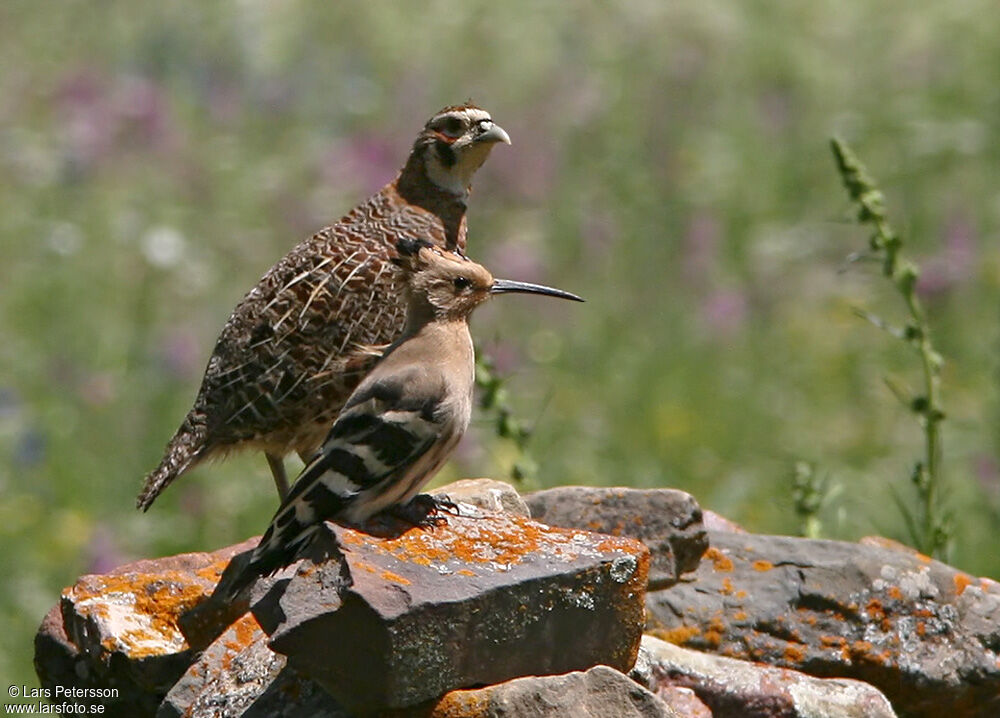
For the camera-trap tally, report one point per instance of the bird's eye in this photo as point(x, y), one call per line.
point(485, 125)
point(452, 126)
point(462, 283)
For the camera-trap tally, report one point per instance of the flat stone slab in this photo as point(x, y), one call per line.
point(480, 598)
point(667, 520)
point(925, 634)
point(741, 689)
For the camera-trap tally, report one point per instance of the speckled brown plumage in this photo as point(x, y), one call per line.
point(300, 341)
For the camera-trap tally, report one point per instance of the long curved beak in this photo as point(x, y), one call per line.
point(509, 286)
point(495, 133)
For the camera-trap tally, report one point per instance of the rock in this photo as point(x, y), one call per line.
point(119, 630)
point(684, 701)
point(666, 520)
point(206, 621)
point(600, 691)
point(718, 522)
point(59, 663)
point(739, 689)
point(238, 675)
point(480, 598)
point(925, 634)
point(488, 494)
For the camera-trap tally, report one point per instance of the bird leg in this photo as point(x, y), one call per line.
point(277, 465)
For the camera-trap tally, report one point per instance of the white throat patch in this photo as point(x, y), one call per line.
point(469, 154)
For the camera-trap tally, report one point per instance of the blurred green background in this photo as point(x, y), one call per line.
point(670, 163)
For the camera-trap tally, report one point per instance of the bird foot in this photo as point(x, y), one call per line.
point(424, 510)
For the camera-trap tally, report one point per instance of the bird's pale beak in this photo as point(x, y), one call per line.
point(509, 286)
point(495, 133)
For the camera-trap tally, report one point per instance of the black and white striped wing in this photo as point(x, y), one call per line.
point(366, 462)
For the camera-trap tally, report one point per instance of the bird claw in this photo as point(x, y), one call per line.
point(441, 504)
point(424, 510)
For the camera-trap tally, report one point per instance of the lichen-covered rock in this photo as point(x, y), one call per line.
point(599, 692)
point(740, 689)
point(408, 614)
point(119, 630)
point(60, 663)
point(479, 598)
point(239, 676)
point(667, 520)
point(926, 635)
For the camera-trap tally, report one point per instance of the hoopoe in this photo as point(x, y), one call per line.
point(405, 418)
point(289, 355)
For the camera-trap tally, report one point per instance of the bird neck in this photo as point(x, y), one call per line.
point(421, 313)
point(448, 339)
point(417, 188)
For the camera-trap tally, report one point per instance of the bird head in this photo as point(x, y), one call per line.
point(448, 285)
point(454, 144)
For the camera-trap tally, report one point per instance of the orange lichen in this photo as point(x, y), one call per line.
point(395, 578)
point(503, 542)
point(461, 704)
point(353, 537)
point(794, 654)
point(160, 598)
point(962, 581)
point(465, 572)
point(741, 594)
point(727, 586)
point(740, 615)
point(833, 641)
point(761, 565)
point(894, 593)
point(720, 562)
point(861, 651)
point(716, 630)
point(244, 632)
point(213, 571)
point(678, 635)
point(875, 610)
point(622, 543)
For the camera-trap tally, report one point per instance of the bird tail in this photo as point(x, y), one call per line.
point(269, 556)
point(294, 527)
point(184, 450)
